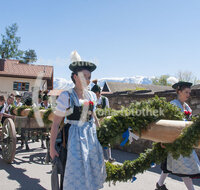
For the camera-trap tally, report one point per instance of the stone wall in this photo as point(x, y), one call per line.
point(194, 101)
point(118, 99)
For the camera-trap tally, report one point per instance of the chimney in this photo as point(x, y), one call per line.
point(2, 64)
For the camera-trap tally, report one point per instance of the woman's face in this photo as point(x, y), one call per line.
point(83, 78)
point(184, 94)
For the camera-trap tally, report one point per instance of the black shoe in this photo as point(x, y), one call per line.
point(158, 187)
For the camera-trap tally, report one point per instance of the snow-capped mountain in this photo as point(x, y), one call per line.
point(61, 83)
point(135, 80)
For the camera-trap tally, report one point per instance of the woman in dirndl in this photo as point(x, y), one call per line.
point(184, 167)
point(85, 168)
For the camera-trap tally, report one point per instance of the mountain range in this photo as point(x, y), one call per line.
point(62, 83)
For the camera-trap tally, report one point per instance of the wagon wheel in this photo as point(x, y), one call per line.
point(8, 140)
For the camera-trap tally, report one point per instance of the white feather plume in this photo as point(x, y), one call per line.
point(75, 56)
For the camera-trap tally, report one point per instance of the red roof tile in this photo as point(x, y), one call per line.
point(13, 68)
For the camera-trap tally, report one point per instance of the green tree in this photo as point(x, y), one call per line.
point(10, 43)
point(162, 80)
point(29, 56)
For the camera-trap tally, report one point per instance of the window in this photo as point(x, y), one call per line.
point(21, 86)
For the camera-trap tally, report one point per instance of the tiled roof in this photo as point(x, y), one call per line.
point(119, 87)
point(13, 68)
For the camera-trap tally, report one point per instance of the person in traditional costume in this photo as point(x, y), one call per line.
point(45, 104)
point(2, 102)
point(7, 108)
point(28, 101)
point(39, 97)
point(17, 101)
point(85, 167)
point(102, 102)
point(185, 167)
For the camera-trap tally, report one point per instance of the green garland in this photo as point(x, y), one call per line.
point(12, 109)
point(46, 116)
point(21, 108)
point(112, 128)
point(31, 113)
point(129, 169)
point(183, 145)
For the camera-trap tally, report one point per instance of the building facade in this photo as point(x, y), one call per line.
point(16, 76)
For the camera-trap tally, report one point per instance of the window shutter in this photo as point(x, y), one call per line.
point(27, 86)
point(14, 85)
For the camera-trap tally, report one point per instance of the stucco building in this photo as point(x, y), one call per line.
point(16, 76)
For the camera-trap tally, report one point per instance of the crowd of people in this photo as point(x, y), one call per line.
point(16, 100)
point(80, 159)
point(6, 106)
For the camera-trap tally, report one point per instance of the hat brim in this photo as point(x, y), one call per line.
point(82, 65)
point(182, 83)
point(18, 96)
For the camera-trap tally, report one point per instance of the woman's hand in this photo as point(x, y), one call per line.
point(53, 153)
point(54, 132)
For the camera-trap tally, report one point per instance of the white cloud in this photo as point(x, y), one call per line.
point(172, 80)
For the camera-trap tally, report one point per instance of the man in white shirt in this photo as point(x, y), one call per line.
point(45, 104)
point(18, 102)
point(102, 102)
point(2, 102)
point(7, 107)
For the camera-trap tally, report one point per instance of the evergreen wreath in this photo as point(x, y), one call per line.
point(112, 128)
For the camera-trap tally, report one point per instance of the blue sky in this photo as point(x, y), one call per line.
point(124, 37)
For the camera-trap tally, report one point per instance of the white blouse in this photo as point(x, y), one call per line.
point(63, 101)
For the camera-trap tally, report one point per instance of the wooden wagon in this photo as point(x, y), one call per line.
point(10, 132)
